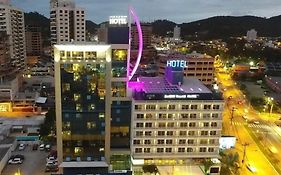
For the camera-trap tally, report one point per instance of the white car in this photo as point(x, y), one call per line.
point(256, 122)
point(15, 161)
point(251, 168)
point(48, 164)
point(42, 147)
point(21, 147)
point(51, 159)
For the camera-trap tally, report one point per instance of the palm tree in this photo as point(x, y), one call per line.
point(207, 163)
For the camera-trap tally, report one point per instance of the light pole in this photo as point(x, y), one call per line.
point(270, 102)
point(232, 114)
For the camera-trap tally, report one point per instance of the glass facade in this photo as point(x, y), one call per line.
point(119, 63)
point(83, 111)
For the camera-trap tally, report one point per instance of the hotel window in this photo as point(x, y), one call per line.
point(147, 142)
point(148, 133)
point(189, 149)
point(206, 116)
point(169, 141)
point(139, 125)
point(139, 133)
point(163, 107)
point(91, 125)
point(162, 116)
point(140, 116)
point(160, 150)
point(78, 107)
point(138, 107)
point(161, 133)
point(184, 116)
point(182, 133)
point(190, 141)
point(213, 133)
point(202, 150)
point(76, 97)
point(214, 124)
point(148, 116)
point(207, 106)
point(146, 150)
point(185, 107)
point(181, 150)
point(150, 107)
point(136, 142)
point(161, 125)
point(191, 133)
point(212, 141)
point(170, 133)
point(204, 133)
point(216, 107)
point(101, 115)
point(66, 87)
point(206, 124)
point(171, 116)
point(160, 142)
point(211, 149)
point(192, 116)
point(203, 141)
point(183, 125)
point(172, 107)
point(148, 125)
point(168, 150)
point(192, 124)
point(182, 141)
point(193, 107)
point(170, 125)
point(138, 150)
point(216, 115)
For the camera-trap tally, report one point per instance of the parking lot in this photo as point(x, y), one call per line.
point(33, 164)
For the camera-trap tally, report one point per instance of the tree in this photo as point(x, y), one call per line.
point(150, 169)
point(49, 124)
point(207, 163)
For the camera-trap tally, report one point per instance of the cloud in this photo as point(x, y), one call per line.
point(175, 10)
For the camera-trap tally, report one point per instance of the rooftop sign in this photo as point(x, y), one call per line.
point(119, 20)
point(177, 63)
point(181, 96)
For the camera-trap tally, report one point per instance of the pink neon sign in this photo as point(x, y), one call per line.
point(137, 21)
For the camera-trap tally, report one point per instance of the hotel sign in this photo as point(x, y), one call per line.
point(177, 63)
point(119, 20)
point(193, 96)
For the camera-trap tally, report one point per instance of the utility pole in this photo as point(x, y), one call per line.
point(232, 114)
point(244, 151)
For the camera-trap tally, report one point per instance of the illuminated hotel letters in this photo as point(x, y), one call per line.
point(177, 63)
point(181, 96)
point(118, 20)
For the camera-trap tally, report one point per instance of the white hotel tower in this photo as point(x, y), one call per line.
point(67, 22)
point(12, 23)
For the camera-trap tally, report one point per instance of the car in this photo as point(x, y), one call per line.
point(256, 122)
point(51, 159)
point(42, 147)
point(51, 163)
point(15, 161)
point(48, 147)
point(51, 168)
point(35, 147)
point(21, 147)
point(19, 156)
point(251, 168)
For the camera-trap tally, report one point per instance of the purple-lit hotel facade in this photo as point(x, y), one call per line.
point(175, 120)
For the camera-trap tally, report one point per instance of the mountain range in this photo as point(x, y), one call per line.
point(218, 27)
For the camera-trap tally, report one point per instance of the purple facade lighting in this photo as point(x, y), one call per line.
point(137, 21)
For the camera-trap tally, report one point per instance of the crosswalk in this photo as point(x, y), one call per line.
point(251, 125)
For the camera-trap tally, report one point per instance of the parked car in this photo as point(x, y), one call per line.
point(15, 161)
point(51, 159)
point(52, 163)
point(19, 156)
point(21, 147)
point(42, 147)
point(52, 168)
point(48, 147)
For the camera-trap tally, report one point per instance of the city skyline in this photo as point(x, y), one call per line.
point(186, 11)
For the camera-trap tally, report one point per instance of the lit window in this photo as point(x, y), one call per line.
point(76, 97)
point(91, 125)
point(101, 115)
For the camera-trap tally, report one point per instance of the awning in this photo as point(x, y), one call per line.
point(84, 164)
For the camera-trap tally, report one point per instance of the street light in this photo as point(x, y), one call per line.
point(270, 101)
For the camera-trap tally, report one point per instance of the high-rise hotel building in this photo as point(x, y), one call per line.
point(92, 108)
point(12, 24)
point(67, 22)
point(175, 120)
